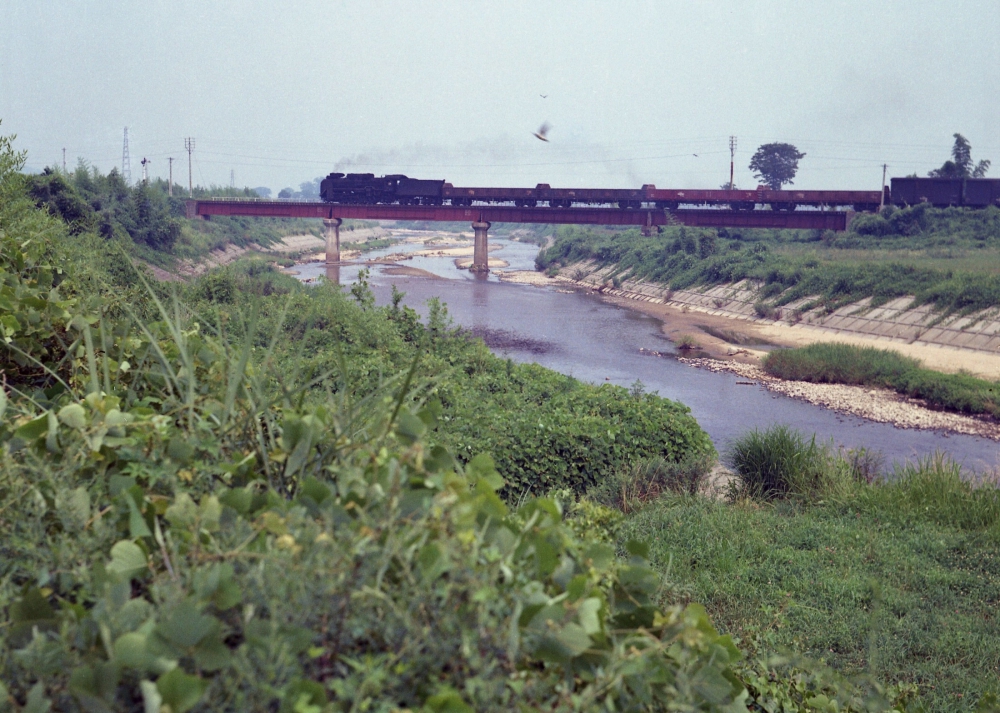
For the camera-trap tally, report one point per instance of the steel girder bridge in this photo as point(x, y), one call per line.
point(482, 216)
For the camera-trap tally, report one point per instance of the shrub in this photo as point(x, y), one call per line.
point(632, 487)
point(781, 462)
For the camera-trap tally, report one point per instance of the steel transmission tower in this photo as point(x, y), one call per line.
point(189, 146)
point(126, 162)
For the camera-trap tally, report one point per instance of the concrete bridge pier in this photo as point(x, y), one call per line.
point(331, 226)
point(480, 252)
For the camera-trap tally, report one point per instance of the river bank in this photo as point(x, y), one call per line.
point(721, 343)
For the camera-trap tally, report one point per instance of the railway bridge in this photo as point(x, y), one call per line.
point(482, 217)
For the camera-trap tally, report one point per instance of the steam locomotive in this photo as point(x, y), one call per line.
point(366, 188)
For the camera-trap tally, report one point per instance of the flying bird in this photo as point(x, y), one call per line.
point(542, 131)
point(544, 96)
point(695, 155)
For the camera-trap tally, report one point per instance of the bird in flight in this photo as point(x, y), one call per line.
point(544, 96)
point(695, 155)
point(542, 131)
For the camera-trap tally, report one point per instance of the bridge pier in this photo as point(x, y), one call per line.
point(480, 251)
point(331, 227)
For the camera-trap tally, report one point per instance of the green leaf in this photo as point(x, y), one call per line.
point(94, 686)
point(186, 626)
point(408, 427)
point(136, 524)
point(239, 499)
point(127, 560)
point(209, 513)
point(447, 701)
point(180, 450)
point(152, 701)
point(37, 702)
point(182, 512)
point(482, 468)
point(304, 697)
point(74, 416)
point(180, 691)
point(33, 429)
point(31, 611)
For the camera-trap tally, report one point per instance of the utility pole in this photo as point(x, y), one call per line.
point(189, 145)
point(732, 159)
point(170, 185)
point(145, 174)
point(64, 160)
point(232, 178)
point(126, 161)
point(881, 203)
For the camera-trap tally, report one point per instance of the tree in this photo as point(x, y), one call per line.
point(961, 164)
point(775, 164)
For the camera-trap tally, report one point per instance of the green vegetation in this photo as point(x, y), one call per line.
point(90, 202)
point(948, 258)
point(898, 577)
point(775, 164)
point(246, 494)
point(369, 245)
point(960, 165)
point(780, 462)
point(238, 497)
point(832, 363)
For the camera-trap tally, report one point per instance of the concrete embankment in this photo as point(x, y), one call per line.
point(948, 343)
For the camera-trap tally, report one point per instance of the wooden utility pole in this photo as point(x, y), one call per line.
point(64, 160)
point(732, 159)
point(170, 185)
point(881, 204)
point(189, 145)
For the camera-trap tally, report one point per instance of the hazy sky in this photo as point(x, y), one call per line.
point(281, 92)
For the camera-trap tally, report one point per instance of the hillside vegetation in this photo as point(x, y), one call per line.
point(239, 497)
point(245, 494)
point(948, 258)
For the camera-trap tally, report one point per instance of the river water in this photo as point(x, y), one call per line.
point(578, 334)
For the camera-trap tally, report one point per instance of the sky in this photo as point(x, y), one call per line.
point(275, 94)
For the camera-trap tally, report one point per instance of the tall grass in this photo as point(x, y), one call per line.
point(781, 462)
point(832, 363)
point(936, 488)
point(629, 489)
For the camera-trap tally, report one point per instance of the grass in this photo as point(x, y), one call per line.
point(780, 462)
point(899, 579)
point(629, 489)
point(948, 258)
point(867, 366)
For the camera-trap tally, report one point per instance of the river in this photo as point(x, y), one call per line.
point(579, 334)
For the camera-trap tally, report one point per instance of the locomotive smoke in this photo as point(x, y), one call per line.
point(500, 161)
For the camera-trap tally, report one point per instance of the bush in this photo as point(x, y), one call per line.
point(632, 487)
point(781, 462)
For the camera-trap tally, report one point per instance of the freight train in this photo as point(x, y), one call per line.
point(366, 188)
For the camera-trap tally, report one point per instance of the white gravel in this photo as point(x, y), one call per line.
point(880, 405)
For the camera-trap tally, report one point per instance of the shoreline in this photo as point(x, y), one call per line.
point(726, 344)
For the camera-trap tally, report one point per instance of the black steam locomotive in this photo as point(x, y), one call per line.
point(366, 188)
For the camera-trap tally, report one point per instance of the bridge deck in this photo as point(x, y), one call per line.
point(801, 219)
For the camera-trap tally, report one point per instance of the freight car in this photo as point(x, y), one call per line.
point(944, 192)
point(397, 188)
